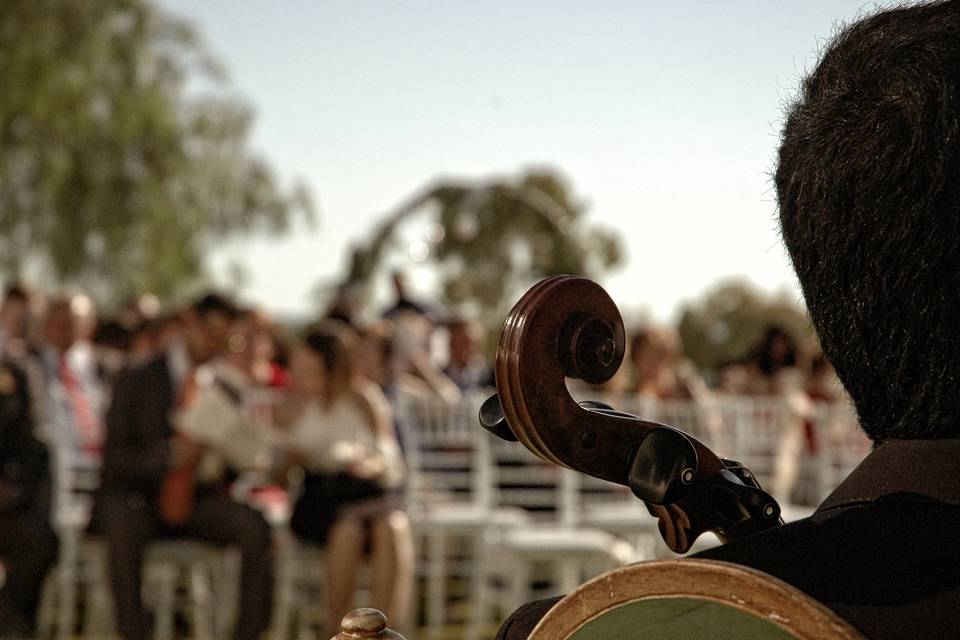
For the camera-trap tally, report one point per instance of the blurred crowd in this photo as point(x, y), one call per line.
point(186, 414)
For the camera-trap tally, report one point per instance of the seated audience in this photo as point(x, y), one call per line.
point(660, 374)
point(340, 431)
point(150, 486)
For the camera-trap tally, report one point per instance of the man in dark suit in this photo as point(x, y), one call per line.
point(868, 186)
point(148, 486)
point(28, 545)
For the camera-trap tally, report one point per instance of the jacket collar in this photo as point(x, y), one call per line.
point(903, 471)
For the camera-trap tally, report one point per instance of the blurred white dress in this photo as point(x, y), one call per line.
point(331, 440)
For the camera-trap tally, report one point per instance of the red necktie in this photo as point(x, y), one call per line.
point(88, 426)
point(176, 496)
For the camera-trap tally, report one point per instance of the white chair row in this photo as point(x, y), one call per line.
point(488, 514)
point(487, 510)
point(489, 517)
point(207, 574)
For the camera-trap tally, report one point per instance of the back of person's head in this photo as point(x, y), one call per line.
point(868, 184)
point(215, 303)
point(15, 310)
point(776, 350)
point(113, 334)
point(15, 292)
point(335, 344)
point(61, 323)
point(206, 326)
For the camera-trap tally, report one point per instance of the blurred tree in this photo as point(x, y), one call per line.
point(489, 241)
point(731, 318)
point(122, 156)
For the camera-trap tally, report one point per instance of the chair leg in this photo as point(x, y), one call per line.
point(283, 592)
point(436, 582)
point(67, 586)
point(166, 585)
point(98, 622)
point(47, 613)
point(225, 592)
point(479, 594)
point(518, 589)
point(201, 602)
point(568, 578)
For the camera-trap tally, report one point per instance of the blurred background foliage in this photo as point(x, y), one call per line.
point(728, 320)
point(125, 158)
point(490, 240)
point(123, 155)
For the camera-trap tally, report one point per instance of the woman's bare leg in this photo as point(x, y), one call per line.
point(344, 553)
point(392, 567)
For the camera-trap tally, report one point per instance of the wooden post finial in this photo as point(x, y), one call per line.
point(367, 624)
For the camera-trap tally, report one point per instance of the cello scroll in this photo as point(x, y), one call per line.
point(568, 327)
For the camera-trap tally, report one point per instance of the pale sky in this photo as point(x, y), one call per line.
point(663, 116)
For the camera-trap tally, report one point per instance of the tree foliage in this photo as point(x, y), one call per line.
point(497, 238)
point(123, 156)
point(731, 318)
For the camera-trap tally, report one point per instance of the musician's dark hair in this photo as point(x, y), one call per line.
point(868, 185)
point(216, 303)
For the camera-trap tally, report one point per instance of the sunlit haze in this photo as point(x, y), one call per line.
point(663, 116)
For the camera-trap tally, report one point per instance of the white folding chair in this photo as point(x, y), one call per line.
point(556, 543)
point(450, 498)
point(207, 572)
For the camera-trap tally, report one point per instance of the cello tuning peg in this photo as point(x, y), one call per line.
point(493, 420)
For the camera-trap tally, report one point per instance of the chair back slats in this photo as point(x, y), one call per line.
point(455, 461)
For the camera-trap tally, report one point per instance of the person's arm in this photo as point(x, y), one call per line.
point(385, 463)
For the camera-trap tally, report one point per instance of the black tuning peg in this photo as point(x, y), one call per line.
point(492, 419)
point(663, 466)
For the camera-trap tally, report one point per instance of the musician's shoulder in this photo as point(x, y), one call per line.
point(768, 548)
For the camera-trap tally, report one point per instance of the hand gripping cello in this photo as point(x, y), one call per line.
point(568, 327)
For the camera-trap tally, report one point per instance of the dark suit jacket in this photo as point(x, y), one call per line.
point(23, 459)
point(882, 551)
point(139, 430)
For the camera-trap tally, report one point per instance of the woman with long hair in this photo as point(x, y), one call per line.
point(341, 433)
